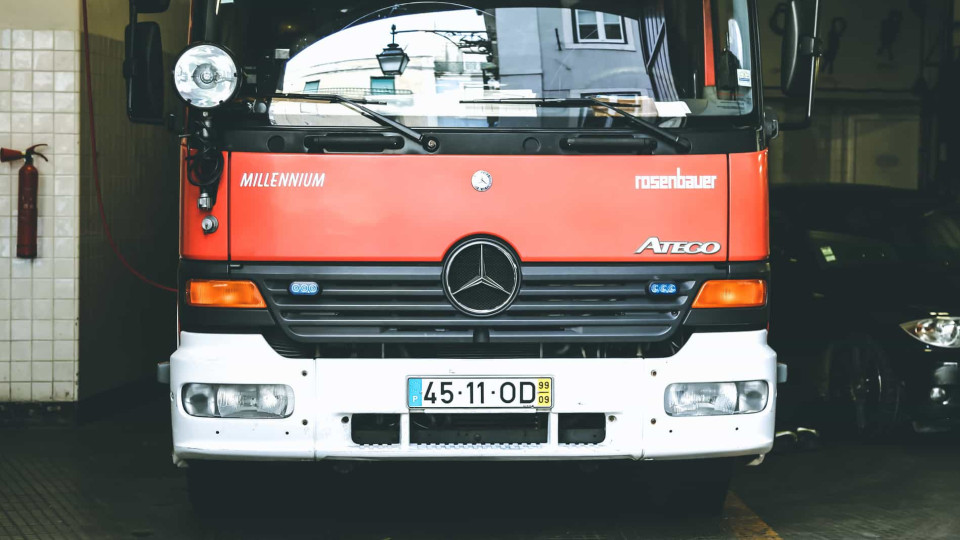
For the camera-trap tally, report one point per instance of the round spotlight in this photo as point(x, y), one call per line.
point(206, 76)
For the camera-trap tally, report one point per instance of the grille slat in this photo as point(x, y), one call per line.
point(500, 322)
point(576, 291)
point(397, 303)
point(571, 306)
point(431, 306)
point(426, 291)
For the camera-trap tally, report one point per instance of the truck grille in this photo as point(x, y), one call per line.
point(405, 304)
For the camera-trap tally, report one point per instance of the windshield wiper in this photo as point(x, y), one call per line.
point(358, 105)
point(681, 144)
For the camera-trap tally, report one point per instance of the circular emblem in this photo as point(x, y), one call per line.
point(482, 181)
point(481, 278)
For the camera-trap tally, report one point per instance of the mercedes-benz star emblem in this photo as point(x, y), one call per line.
point(481, 278)
point(482, 181)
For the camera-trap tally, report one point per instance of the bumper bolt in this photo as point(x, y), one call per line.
point(653, 420)
point(304, 422)
point(653, 373)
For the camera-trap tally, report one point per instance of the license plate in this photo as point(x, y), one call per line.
point(480, 393)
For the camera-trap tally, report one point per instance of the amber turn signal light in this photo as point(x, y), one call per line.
point(224, 294)
point(740, 293)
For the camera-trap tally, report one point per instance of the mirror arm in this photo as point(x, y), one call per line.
point(129, 63)
point(812, 47)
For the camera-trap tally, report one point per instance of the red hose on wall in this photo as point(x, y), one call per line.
point(95, 161)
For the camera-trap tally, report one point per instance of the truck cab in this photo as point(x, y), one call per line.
point(496, 231)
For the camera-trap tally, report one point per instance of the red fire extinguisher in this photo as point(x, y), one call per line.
point(27, 204)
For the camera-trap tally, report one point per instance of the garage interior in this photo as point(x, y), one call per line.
point(85, 428)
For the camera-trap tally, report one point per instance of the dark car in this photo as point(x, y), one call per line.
point(866, 307)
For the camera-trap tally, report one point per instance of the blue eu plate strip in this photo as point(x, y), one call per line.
point(415, 392)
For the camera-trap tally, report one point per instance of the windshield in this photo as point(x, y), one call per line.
point(427, 64)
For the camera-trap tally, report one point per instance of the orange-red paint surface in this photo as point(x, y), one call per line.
point(749, 207)
point(709, 59)
point(193, 243)
point(414, 208)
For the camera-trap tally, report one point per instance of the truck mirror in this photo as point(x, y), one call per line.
point(143, 70)
point(151, 6)
point(801, 54)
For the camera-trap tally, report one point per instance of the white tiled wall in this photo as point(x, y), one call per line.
point(39, 103)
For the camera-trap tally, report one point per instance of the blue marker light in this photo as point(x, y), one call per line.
point(304, 288)
point(663, 289)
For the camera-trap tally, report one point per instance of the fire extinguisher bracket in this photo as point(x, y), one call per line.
point(27, 200)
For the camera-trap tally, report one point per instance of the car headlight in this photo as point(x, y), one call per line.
point(939, 331)
point(238, 400)
point(206, 76)
point(716, 399)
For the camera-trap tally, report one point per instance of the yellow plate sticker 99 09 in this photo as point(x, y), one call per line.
point(544, 393)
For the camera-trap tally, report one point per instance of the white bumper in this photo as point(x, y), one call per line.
point(327, 390)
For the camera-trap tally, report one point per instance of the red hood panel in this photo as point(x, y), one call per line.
point(295, 207)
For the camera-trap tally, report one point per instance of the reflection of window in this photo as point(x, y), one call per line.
point(311, 86)
point(383, 85)
point(597, 27)
point(448, 85)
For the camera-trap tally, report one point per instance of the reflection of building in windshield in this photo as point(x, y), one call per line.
point(570, 53)
point(651, 61)
point(545, 52)
point(346, 62)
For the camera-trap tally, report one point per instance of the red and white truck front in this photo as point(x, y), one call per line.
point(479, 231)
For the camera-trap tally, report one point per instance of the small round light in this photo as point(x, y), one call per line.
point(206, 76)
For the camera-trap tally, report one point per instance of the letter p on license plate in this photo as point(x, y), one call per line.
point(480, 393)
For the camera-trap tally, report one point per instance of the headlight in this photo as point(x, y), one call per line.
point(206, 76)
point(715, 399)
point(939, 331)
point(200, 400)
point(238, 400)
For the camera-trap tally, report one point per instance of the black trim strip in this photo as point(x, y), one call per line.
point(728, 319)
point(299, 140)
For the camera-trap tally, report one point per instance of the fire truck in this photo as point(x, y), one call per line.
point(475, 230)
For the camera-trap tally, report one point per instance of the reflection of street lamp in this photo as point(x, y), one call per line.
point(393, 60)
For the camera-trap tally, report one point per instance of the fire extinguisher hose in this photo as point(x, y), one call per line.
point(95, 160)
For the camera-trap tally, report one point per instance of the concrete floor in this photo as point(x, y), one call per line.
point(113, 479)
